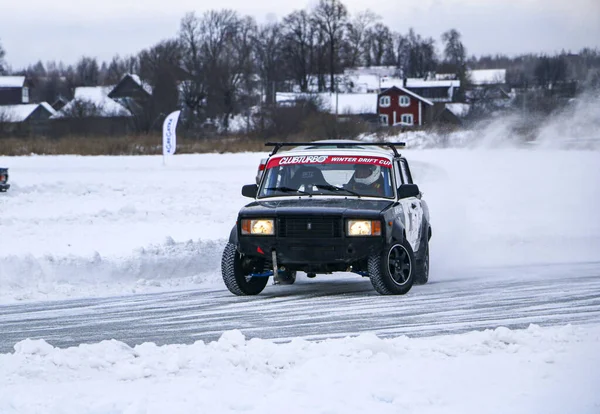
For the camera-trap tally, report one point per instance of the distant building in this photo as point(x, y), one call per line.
point(14, 90)
point(444, 91)
point(92, 101)
point(26, 112)
point(487, 77)
point(344, 104)
point(400, 106)
point(132, 87)
point(59, 103)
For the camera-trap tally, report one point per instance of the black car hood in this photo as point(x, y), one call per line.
point(316, 206)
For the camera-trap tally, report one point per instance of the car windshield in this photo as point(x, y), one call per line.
point(328, 175)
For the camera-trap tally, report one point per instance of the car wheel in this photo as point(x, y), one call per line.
point(422, 269)
point(236, 279)
point(392, 272)
point(286, 277)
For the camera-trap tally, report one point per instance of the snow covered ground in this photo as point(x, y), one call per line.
point(94, 226)
point(537, 370)
point(76, 227)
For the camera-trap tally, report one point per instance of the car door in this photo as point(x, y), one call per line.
point(412, 206)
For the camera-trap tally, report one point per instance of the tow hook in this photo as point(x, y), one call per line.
point(275, 267)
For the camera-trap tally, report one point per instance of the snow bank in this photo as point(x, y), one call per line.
point(161, 267)
point(549, 370)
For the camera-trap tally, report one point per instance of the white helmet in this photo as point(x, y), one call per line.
point(366, 174)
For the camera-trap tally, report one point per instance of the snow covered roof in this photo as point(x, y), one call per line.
point(16, 113)
point(425, 83)
point(48, 108)
point(19, 113)
point(487, 76)
point(12, 81)
point(458, 109)
point(139, 81)
point(372, 70)
point(98, 96)
point(347, 103)
point(364, 82)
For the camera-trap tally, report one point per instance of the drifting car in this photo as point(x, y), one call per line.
point(330, 206)
point(4, 186)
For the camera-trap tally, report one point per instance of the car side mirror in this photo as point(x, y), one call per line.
point(408, 190)
point(250, 190)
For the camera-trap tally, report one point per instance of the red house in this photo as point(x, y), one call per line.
point(399, 106)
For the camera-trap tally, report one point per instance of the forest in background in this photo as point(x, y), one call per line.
point(221, 63)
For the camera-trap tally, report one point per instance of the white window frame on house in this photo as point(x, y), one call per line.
point(407, 119)
point(384, 119)
point(404, 101)
point(385, 101)
point(25, 95)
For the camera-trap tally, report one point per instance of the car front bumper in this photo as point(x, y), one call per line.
point(4, 187)
point(312, 251)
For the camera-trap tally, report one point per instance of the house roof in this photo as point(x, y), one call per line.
point(347, 103)
point(364, 82)
point(136, 79)
point(458, 109)
point(48, 108)
point(97, 95)
point(20, 113)
point(12, 81)
point(487, 76)
point(147, 87)
point(406, 91)
point(425, 83)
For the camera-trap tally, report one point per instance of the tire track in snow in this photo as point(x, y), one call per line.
point(316, 309)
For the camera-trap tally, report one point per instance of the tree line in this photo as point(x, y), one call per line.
point(222, 63)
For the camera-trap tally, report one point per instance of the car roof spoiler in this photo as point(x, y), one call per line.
point(277, 145)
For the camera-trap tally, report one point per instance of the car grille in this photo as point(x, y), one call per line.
point(309, 227)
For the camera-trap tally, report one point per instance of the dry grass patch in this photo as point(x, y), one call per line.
point(129, 145)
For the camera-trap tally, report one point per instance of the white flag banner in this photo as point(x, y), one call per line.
point(169, 137)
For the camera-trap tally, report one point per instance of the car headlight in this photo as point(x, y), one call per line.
point(258, 227)
point(363, 228)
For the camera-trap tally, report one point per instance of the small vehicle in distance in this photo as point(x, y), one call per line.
point(330, 206)
point(4, 186)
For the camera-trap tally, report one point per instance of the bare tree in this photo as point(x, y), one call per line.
point(380, 49)
point(357, 41)
point(118, 67)
point(87, 72)
point(160, 67)
point(551, 71)
point(164, 56)
point(420, 54)
point(454, 50)
point(194, 90)
point(331, 17)
point(218, 55)
point(402, 46)
point(299, 45)
point(268, 48)
point(455, 55)
point(2, 63)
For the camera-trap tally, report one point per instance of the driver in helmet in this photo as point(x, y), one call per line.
point(367, 180)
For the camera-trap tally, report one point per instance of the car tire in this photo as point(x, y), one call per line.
point(392, 272)
point(286, 277)
point(235, 278)
point(422, 268)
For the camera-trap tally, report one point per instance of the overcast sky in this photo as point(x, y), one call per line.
point(32, 30)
